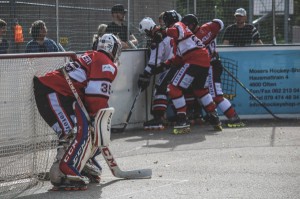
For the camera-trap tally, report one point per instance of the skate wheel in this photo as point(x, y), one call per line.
point(181, 131)
point(218, 128)
point(239, 125)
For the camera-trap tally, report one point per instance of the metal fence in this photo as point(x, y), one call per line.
point(73, 23)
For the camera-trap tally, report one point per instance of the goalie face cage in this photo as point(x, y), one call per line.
point(27, 143)
point(228, 83)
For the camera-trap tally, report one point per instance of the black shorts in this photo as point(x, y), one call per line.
point(190, 75)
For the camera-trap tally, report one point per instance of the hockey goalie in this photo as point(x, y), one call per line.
point(92, 75)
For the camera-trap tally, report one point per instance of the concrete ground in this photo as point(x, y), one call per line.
point(261, 160)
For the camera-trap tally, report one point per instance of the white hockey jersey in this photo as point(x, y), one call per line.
point(165, 51)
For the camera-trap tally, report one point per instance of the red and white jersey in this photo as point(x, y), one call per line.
point(208, 33)
point(92, 75)
point(189, 48)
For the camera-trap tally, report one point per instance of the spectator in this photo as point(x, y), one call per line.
point(241, 33)
point(18, 35)
point(117, 27)
point(39, 42)
point(3, 42)
point(101, 31)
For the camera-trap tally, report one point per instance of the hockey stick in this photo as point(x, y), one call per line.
point(154, 77)
point(107, 155)
point(250, 93)
point(117, 172)
point(122, 129)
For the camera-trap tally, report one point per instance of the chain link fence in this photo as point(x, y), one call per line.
point(72, 23)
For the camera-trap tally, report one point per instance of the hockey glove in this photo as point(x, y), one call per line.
point(157, 37)
point(143, 81)
point(158, 34)
point(160, 68)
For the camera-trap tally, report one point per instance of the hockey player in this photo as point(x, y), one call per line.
point(208, 33)
point(92, 75)
point(161, 50)
point(194, 60)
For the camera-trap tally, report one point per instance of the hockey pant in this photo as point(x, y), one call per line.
point(55, 109)
point(193, 76)
point(213, 83)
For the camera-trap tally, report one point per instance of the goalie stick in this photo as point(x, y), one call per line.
point(122, 129)
point(117, 172)
point(106, 153)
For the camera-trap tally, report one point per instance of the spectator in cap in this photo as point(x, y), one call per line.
point(117, 27)
point(241, 33)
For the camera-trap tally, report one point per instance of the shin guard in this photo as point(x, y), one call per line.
point(177, 98)
point(206, 100)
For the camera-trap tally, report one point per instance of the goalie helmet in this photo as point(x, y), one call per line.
point(170, 17)
point(146, 26)
point(110, 44)
point(220, 22)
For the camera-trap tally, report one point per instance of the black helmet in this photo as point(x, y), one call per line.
point(170, 17)
point(190, 19)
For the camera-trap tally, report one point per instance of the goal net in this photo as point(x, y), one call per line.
point(27, 143)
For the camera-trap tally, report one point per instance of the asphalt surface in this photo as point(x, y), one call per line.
point(261, 160)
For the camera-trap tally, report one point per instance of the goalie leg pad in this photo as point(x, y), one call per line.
point(80, 148)
point(55, 175)
point(102, 127)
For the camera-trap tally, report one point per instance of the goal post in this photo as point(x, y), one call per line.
point(27, 143)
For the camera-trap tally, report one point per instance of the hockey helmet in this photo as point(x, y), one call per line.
point(190, 19)
point(170, 17)
point(146, 26)
point(110, 44)
point(220, 22)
